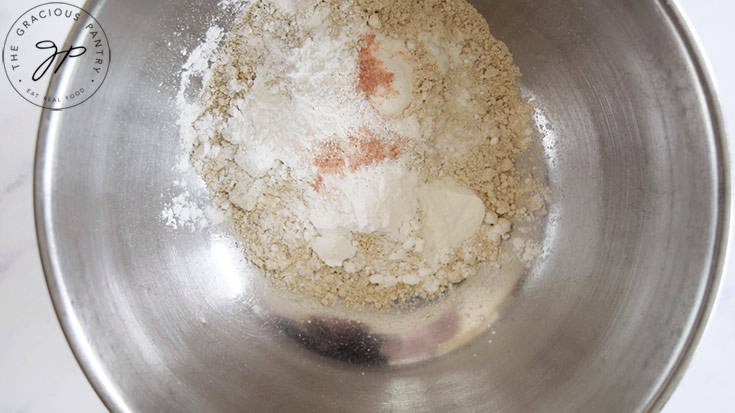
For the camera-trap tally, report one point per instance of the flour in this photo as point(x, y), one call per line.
point(360, 156)
point(300, 96)
point(451, 214)
point(184, 212)
point(196, 65)
point(381, 198)
point(333, 248)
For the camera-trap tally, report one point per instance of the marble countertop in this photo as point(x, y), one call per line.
point(38, 372)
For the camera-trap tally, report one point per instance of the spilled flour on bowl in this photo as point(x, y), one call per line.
point(365, 152)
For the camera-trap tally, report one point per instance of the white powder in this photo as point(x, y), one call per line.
point(186, 213)
point(181, 212)
point(333, 248)
point(325, 180)
point(390, 199)
point(452, 214)
point(184, 210)
point(197, 65)
point(301, 96)
point(380, 198)
point(307, 95)
point(527, 250)
point(395, 58)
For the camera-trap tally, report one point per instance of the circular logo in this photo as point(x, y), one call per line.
point(39, 48)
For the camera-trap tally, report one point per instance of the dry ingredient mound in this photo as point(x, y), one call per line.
point(365, 152)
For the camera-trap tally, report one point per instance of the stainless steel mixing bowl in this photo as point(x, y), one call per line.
point(165, 320)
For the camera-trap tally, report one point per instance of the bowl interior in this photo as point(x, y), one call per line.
point(166, 320)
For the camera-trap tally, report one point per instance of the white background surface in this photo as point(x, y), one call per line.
point(38, 372)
